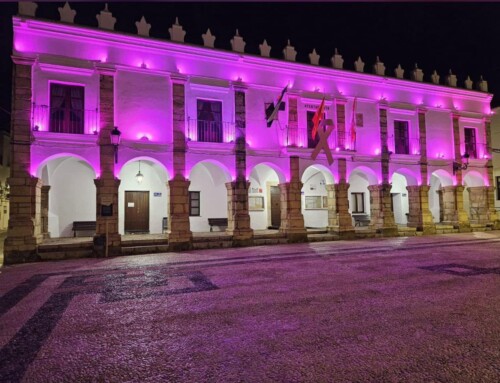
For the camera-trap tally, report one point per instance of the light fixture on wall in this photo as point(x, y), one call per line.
point(139, 176)
point(114, 136)
point(461, 166)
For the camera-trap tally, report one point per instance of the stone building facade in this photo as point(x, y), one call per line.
point(208, 135)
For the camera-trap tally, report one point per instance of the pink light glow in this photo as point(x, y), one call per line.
point(144, 136)
point(377, 151)
point(337, 149)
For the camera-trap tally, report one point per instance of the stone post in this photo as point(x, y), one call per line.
point(456, 143)
point(419, 214)
point(382, 217)
point(237, 191)
point(106, 185)
point(24, 229)
point(422, 132)
point(179, 232)
point(293, 122)
point(384, 156)
point(292, 220)
point(339, 218)
point(45, 211)
point(452, 208)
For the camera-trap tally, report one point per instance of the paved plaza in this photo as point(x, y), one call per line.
point(416, 309)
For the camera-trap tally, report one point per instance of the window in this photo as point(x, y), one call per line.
point(498, 188)
point(194, 203)
point(401, 141)
point(66, 109)
point(316, 202)
point(209, 116)
point(358, 202)
point(311, 143)
point(470, 142)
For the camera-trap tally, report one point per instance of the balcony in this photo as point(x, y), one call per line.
point(210, 131)
point(64, 120)
point(299, 137)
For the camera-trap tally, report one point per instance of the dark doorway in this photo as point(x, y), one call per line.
point(137, 212)
point(275, 207)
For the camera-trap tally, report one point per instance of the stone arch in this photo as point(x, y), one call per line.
point(366, 173)
point(439, 178)
point(158, 166)
point(211, 165)
point(278, 170)
point(409, 175)
point(314, 195)
point(359, 196)
point(475, 196)
point(38, 169)
point(326, 172)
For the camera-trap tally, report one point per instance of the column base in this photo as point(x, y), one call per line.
point(428, 230)
point(464, 228)
point(242, 242)
point(13, 257)
point(180, 246)
point(114, 245)
point(296, 237)
point(387, 231)
point(341, 234)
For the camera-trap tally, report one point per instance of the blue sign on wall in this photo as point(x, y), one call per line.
point(156, 194)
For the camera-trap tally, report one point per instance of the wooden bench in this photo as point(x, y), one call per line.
point(217, 222)
point(361, 219)
point(83, 226)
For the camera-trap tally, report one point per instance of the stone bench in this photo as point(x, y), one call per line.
point(217, 222)
point(83, 226)
point(361, 219)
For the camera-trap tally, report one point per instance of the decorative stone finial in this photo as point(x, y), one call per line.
point(337, 60)
point(289, 53)
point(379, 67)
point(417, 74)
point(67, 14)
point(143, 27)
point(314, 57)
point(237, 43)
point(105, 19)
point(468, 83)
point(265, 49)
point(176, 32)
point(27, 8)
point(482, 85)
point(359, 65)
point(451, 79)
point(399, 72)
point(208, 39)
point(435, 78)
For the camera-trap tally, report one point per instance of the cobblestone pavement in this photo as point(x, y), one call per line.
point(418, 309)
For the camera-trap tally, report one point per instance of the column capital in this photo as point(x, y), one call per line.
point(105, 69)
point(23, 60)
point(178, 78)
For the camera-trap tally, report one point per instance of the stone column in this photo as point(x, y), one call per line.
point(382, 217)
point(292, 220)
point(493, 217)
point(384, 155)
point(478, 204)
point(179, 232)
point(340, 113)
point(422, 132)
point(237, 191)
point(24, 229)
point(419, 214)
point(452, 208)
point(339, 218)
point(456, 144)
point(45, 211)
point(107, 185)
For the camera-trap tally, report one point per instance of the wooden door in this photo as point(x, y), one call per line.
point(275, 207)
point(137, 212)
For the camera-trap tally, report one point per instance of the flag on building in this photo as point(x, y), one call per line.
point(318, 116)
point(272, 110)
point(353, 125)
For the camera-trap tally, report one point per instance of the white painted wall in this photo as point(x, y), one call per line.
point(210, 180)
point(72, 195)
point(400, 199)
point(314, 185)
point(261, 178)
point(435, 185)
point(155, 181)
point(359, 184)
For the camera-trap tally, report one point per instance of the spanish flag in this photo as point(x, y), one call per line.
point(318, 116)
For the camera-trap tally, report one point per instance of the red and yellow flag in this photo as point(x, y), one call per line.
point(318, 116)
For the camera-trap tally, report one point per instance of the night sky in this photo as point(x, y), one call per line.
point(461, 36)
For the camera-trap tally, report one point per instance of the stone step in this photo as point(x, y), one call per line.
point(270, 241)
point(213, 243)
point(145, 242)
point(146, 249)
point(68, 254)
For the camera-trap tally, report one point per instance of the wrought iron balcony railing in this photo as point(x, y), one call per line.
point(210, 131)
point(64, 120)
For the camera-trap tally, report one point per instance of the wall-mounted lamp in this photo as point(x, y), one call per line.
point(139, 176)
point(114, 135)
point(461, 166)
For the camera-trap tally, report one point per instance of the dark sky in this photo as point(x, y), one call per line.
point(461, 36)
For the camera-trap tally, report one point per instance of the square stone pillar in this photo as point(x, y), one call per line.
point(478, 205)
point(45, 211)
point(340, 114)
point(107, 203)
point(419, 214)
point(238, 217)
point(292, 220)
point(179, 232)
point(339, 218)
point(452, 208)
point(24, 229)
point(293, 138)
point(493, 216)
point(382, 217)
